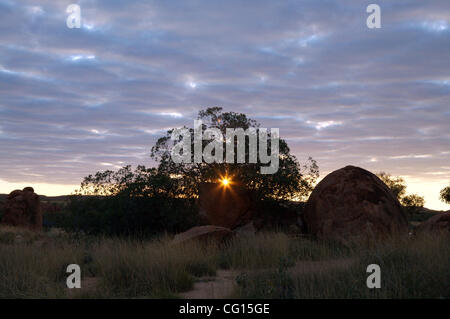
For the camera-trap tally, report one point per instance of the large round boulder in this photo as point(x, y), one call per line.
point(352, 203)
point(227, 206)
point(23, 208)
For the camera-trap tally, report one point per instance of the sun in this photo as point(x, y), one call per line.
point(225, 182)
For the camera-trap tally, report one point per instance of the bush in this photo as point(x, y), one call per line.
point(139, 203)
point(126, 216)
point(276, 215)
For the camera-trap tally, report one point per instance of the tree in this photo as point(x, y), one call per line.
point(445, 195)
point(396, 184)
point(398, 187)
point(148, 201)
point(413, 200)
point(291, 181)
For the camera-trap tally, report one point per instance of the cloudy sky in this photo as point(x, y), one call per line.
point(75, 101)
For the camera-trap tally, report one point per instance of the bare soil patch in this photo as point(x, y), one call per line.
point(218, 287)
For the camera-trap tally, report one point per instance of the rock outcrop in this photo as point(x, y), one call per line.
point(203, 234)
point(23, 208)
point(226, 206)
point(352, 203)
point(438, 223)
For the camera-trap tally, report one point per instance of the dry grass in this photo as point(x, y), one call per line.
point(410, 268)
point(31, 267)
point(269, 265)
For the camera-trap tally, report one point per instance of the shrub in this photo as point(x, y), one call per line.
point(126, 216)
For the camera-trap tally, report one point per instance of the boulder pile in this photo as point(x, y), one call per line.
point(23, 208)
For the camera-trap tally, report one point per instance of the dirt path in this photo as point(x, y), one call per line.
point(218, 287)
point(221, 286)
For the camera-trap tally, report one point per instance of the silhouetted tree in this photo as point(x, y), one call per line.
point(152, 200)
point(140, 182)
point(445, 195)
point(292, 180)
point(396, 184)
point(413, 200)
point(398, 187)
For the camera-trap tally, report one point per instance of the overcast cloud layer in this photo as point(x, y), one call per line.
point(75, 101)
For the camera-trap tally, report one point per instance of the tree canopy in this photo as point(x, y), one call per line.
point(148, 201)
point(291, 181)
point(170, 179)
point(398, 187)
point(142, 181)
point(445, 195)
